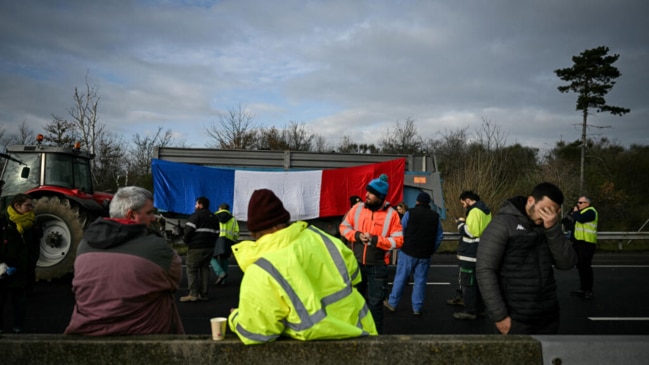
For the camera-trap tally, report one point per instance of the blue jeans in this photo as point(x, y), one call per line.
point(374, 287)
point(418, 268)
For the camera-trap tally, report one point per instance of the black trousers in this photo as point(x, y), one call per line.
point(18, 299)
point(585, 252)
point(473, 302)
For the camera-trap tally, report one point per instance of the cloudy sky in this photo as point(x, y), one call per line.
point(343, 68)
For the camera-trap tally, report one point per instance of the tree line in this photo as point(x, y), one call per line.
point(480, 160)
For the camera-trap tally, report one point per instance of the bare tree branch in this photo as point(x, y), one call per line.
point(234, 130)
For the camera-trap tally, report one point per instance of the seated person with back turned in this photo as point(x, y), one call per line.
point(298, 280)
point(125, 275)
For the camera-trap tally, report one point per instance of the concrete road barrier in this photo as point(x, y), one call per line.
point(195, 350)
point(386, 349)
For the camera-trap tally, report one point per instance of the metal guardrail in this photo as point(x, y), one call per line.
point(455, 237)
point(602, 236)
point(623, 235)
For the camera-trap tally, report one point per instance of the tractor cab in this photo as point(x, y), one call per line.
point(60, 181)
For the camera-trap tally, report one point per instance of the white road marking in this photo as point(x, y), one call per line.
point(619, 318)
point(427, 283)
point(622, 266)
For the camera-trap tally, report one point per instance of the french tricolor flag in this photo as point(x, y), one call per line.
point(305, 194)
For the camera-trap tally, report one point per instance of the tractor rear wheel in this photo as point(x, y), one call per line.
point(62, 231)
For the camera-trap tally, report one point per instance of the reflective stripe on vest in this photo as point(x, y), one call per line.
point(253, 336)
point(470, 240)
point(466, 258)
point(386, 229)
point(386, 224)
point(208, 230)
point(309, 320)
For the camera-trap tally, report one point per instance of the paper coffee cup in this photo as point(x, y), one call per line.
point(218, 327)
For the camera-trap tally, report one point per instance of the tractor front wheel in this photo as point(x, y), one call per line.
point(62, 231)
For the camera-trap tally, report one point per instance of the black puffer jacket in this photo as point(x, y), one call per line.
point(514, 266)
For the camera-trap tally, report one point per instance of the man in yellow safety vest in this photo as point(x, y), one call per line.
point(298, 281)
point(584, 241)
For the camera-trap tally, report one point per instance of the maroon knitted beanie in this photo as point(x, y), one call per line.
point(265, 210)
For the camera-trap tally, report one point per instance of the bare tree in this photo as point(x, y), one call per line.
point(485, 165)
point(490, 136)
point(85, 118)
point(403, 139)
point(60, 132)
point(111, 171)
point(141, 151)
point(234, 130)
point(298, 137)
point(320, 144)
point(4, 141)
point(26, 135)
point(450, 146)
point(271, 139)
point(347, 145)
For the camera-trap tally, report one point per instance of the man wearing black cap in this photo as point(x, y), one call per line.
point(354, 199)
point(298, 281)
point(373, 230)
point(478, 216)
point(422, 230)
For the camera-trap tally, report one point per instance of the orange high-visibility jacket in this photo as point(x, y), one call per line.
point(383, 225)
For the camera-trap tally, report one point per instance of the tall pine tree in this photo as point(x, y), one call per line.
point(592, 76)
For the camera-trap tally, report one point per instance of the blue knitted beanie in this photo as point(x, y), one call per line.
point(379, 186)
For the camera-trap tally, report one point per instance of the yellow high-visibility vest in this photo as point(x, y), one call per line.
point(299, 282)
point(476, 222)
point(229, 229)
point(587, 231)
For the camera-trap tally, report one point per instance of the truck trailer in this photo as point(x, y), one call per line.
point(419, 174)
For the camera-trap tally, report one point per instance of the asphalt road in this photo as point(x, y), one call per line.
point(619, 306)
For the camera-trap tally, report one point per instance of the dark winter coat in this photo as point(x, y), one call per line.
point(20, 252)
point(421, 232)
point(201, 230)
point(514, 266)
point(124, 282)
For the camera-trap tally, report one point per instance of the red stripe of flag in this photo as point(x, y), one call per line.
point(339, 184)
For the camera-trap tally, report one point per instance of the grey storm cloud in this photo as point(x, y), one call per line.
point(343, 68)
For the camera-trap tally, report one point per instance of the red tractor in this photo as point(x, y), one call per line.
point(60, 181)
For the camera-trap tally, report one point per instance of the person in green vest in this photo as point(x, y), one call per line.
point(228, 235)
point(298, 281)
point(478, 216)
point(584, 241)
